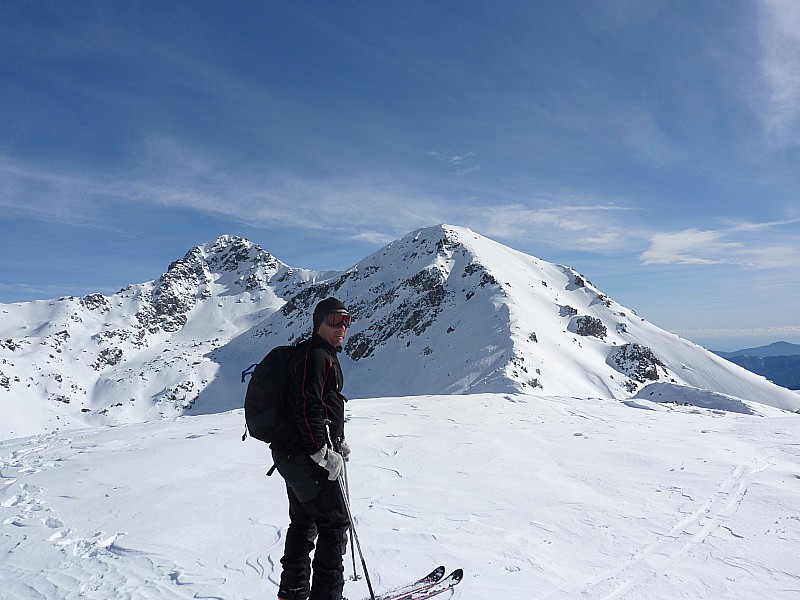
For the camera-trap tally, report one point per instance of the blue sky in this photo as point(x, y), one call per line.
point(653, 146)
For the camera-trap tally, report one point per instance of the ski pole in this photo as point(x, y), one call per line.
point(356, 576)
point(350, 515)
point(355, 537)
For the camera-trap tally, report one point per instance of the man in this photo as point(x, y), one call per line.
point(311, 467)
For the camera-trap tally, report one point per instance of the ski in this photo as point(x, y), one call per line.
point(439, 587)
point(426, 588)
point(435, 588)
point(404, 590)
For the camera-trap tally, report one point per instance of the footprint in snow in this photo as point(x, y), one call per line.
point(53, 522)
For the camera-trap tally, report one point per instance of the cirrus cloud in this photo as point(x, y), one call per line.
point(747, 245)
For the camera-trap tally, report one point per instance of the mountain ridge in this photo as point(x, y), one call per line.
point(781, 348)
point(441, 310)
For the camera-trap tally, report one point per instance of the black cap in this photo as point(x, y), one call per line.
point(328, 305)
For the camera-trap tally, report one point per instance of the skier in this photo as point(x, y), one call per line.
point(312, 463)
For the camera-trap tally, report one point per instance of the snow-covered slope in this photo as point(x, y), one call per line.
point(534, 496)
point(445, 310)
point(140, 353)
point(442, 310)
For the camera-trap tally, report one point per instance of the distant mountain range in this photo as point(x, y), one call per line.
point(778, 362)
point(441, 310)
point(775, 349)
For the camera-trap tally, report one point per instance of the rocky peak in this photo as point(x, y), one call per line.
point(232, 254)
point(407, 300)
point(229, 261)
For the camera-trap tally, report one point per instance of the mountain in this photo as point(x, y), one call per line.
point(778, 362)
point(441, 310)
point(781, 370)
point(774, 349)
point(140, 353)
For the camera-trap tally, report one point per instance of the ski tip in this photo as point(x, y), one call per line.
point(458, 574)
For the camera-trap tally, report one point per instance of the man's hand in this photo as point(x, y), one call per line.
point(329, 460)
point(344, 450)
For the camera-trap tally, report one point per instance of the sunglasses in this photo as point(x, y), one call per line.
point(334, 319)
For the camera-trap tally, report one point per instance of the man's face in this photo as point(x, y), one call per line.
point(334, 328)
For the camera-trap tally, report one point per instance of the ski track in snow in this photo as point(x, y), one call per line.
point(550, 498)
point(666, 552)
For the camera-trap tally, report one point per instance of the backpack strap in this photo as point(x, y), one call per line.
point(248, 371)
point(275, 465)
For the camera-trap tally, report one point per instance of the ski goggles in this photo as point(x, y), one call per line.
point(336, 319)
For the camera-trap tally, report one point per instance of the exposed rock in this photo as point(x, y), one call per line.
point(568, 311)
point(107, 358)
point(13, 345)
point(424, 295)
point(590, 326)
point(638, 362)
point(96, 302)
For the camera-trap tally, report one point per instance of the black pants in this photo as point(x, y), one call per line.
point(317, 521)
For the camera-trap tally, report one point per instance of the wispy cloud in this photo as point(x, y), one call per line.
point(779, 35)
point(173, 175)
point(363, 207)
point(373, 237)
point(462, 164)
point(595, 227)
point(355, 204)
point(785, 330)
point(48, 195)
point(740, 225)
point(748, 245)
point(688, 247)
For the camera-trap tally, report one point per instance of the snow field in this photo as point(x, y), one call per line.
point(535, 497)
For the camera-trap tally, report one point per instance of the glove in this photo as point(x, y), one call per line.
point(329, 460)
point(344, 450)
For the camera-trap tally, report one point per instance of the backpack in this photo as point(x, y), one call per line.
point(265, 412)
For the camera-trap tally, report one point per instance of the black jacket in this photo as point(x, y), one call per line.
point(315, 384)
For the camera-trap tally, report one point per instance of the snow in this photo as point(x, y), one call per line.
point(533, 496)
point(490, 432)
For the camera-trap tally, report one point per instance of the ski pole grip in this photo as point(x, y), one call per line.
point(326, 424)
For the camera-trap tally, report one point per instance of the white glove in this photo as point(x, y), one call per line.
point(329, 460)
point(344, 450)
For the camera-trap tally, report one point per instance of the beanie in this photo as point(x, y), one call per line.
point(327, 306)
